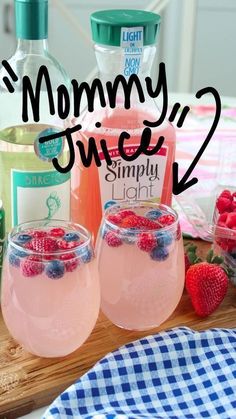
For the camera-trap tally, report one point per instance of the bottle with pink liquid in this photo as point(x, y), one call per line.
point(125, 43)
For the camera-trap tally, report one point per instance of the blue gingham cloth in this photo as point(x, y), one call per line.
point(175, 374)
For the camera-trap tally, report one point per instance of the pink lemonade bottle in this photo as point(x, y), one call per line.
point(124, 44)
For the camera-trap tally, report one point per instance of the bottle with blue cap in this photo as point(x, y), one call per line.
point(30, 186)
point(124, 43)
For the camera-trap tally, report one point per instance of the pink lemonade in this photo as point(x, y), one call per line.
point(145, 178)
point(50, 291)
point(141, 268)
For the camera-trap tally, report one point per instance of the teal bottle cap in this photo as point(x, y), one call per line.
point(107, 25)
point(31, 19)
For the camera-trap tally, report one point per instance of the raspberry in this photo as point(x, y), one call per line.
point(57, 232)
point(38, 234)
point(166, 220)
point(113, 240)
point(43, 245)
point(222, 218)
point(233, 206)
point(114, 218)
point(226, 194)
point(125, 213)
point(223, 204)
point(71, 261)
point(231, 220)
point(65, 245)
point(31, 266)
point(146, 242)
point(221, 224)
point(226, 244)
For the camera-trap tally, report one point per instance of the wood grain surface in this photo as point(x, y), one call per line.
point(28, 382)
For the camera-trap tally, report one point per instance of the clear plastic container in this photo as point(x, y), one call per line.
point(223, 228)
point(148, 177)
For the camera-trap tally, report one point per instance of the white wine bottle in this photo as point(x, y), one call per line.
point(30, 187)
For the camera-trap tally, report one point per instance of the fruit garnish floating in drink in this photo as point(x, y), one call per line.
point(223, 229)
point(50, 295)
point(141, 264)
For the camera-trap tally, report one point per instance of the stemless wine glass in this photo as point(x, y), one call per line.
point(50, 287)
point(141, 264)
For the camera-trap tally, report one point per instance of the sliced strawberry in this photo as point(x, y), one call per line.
point(43, 245)
point(132, 221)
point(139, 222)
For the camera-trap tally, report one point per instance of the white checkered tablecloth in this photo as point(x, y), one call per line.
point(174, 374)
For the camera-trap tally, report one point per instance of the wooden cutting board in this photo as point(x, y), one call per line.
point(28, 382)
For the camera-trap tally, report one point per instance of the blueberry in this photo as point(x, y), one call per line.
point(23, 238)
point(14, 260)
point(71, 237)
point(55, 269)
point(129, 237)
point(159, 253)
point(19, 253)
point(164, 238)
point(85, 254)
point(153, 214)
point(104, 230)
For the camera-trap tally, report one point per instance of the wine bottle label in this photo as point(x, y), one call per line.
point(50, 149)
point(132, 44)
point(141, 179)
point(39, 195)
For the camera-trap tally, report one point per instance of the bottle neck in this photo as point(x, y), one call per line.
point(113, 61)
point(36, 47)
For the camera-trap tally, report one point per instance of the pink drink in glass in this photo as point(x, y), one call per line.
point(50, 302)
point(140, 287)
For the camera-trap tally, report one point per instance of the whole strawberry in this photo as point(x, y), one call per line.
point(207, 284)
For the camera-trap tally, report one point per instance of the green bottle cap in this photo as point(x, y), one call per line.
point(107, 25)
point(31, 19)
